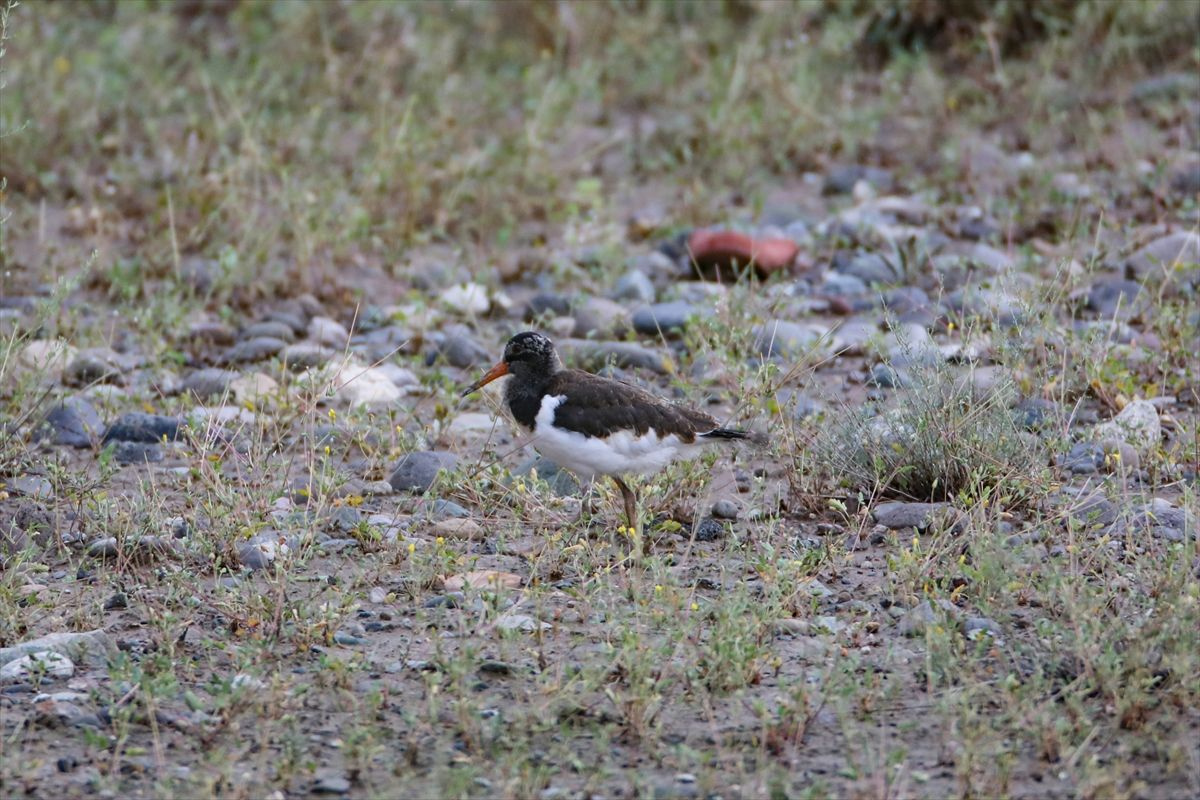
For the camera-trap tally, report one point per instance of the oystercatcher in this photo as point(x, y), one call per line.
point(593, 425)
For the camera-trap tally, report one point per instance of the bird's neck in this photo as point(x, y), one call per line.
point(524, 394)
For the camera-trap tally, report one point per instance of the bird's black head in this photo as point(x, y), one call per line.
point(530, 352)
point(529, 356)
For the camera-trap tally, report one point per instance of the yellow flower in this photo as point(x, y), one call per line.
point(695, 606)
point(658, 588)
point(441, 540)
point(332, 414)
point(412, 548)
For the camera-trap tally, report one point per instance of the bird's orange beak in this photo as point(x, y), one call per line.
point(500, 370)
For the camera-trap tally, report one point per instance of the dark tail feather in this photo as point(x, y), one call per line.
point(733, 433)
point(725, 433)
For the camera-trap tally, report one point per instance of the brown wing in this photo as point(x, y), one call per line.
point(601, 406)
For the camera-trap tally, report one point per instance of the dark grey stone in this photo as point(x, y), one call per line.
point(1093, 512)
point(562, 482)
point(710, 529)
point(139, 427)
point(267, 329)
point(885, 376)
point(250, 350)
point(906, 300)
point(550, 303)
point(1034, 413)
point(840, 284)
point(725, 509)
point(663, 318)
point(74, 422)
point(867, 267)
point(209, 382)
point(1084, 458)
point(448, 508)
point(416, 472)
point(124, 452)
point(1114, 296)
point(460, 349)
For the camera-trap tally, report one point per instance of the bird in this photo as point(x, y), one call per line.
point(594, 425)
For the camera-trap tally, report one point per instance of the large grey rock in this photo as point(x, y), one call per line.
point(416, 472)
point(92, 647)
point(44, 663)
point(73, 422)
point(1136, 425)
point(1161, 257)
point(898, 515)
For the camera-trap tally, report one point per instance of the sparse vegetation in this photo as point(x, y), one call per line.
point(244, 218)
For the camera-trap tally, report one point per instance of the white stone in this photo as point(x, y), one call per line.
point(470, 424)
point(41, 662)
point(328, 332)
point(469, 298)
point(1136, 425)
point(48, 356)
point(253, 389)
point(521, 622)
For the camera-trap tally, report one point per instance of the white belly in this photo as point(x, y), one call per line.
point(623, 453)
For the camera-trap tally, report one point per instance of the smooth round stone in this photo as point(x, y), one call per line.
point(448, 508)
point(867, 267)
point(267, 329)
point(600, 317)
point(250, 350)
point(725, 509)
point(840, 284)
point(416, 472)
point(663, 318)
point(635, 286)
point(460, 349)
point(306, 355)
point(209, 382)
point(328, 332)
